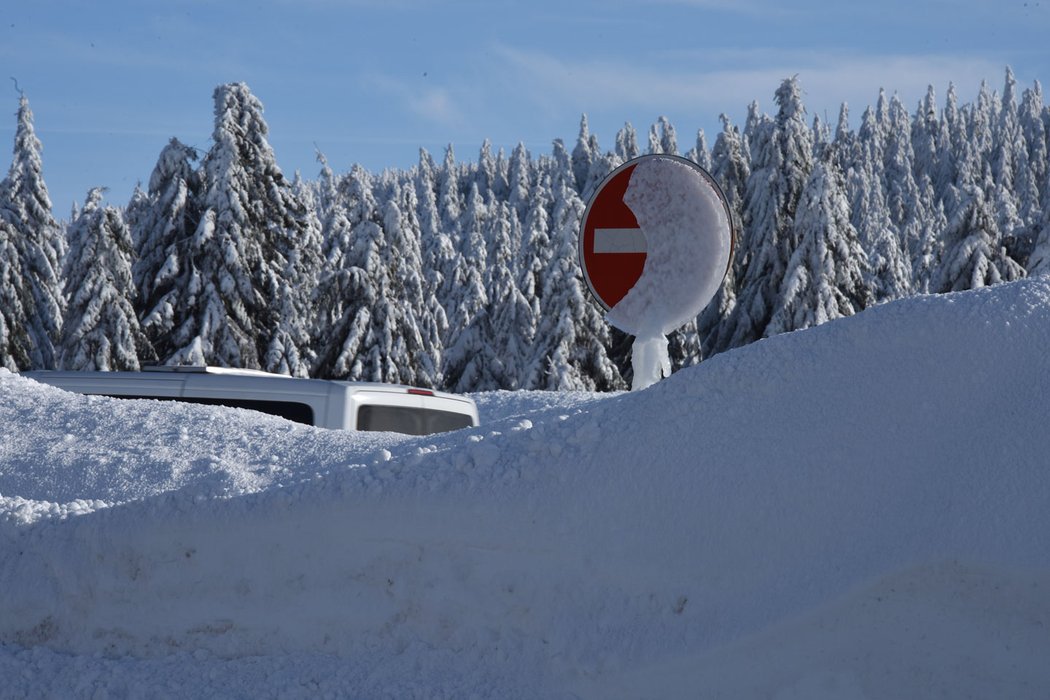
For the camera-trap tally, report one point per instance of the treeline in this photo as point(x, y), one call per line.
point(464, 275)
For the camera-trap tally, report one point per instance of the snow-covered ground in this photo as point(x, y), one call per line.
point(860, 510)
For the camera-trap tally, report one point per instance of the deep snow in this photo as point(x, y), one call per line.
point(860, 510)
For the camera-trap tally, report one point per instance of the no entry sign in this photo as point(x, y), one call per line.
point(612, 245)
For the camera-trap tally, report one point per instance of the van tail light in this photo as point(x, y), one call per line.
point(421, 392)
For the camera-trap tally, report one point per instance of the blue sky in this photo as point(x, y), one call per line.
point(372, 81)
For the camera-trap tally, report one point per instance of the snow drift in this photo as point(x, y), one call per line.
point(859, 510)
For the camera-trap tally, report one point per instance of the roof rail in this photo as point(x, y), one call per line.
point(202, 369)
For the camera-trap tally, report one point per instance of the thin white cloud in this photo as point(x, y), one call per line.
point(683, 84)
point(433, 104)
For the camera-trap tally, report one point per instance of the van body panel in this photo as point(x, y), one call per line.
point(322, 403)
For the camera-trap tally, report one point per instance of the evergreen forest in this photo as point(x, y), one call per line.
point(463, 275)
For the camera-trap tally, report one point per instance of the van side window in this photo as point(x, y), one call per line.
point(412, 421)
point(289, 410)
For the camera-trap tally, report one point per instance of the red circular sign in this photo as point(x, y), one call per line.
point(612, 247)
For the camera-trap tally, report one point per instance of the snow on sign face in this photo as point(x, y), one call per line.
point(655, 243)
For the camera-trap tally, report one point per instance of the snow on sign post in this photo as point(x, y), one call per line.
point(655, 244)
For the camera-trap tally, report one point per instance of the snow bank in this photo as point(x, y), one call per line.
point(858, 510)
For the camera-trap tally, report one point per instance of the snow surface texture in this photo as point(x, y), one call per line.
point(858, 510)
point(688, 240)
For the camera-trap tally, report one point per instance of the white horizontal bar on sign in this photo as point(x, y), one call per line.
point(619, 240)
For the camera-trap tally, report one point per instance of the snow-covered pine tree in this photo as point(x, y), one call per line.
point(254, 252)
point(25, 208)
point(730, 169)
point(1039, 260)
point(1009, 164)
point(888, 274)
point(980, 117)
point(437, 255)
point(493, 349)
point(825, 277)
point(582, 157)
point(468, 299)
point(1034, 130)
point(925, 138)
point(334, 284)
point(845, 140)
point(757, 127)
point(870, 155)
point(512, 317)
point(955, 149)
point(931, 246)
point(627, 143)
point(907, 210)
point(662, 137)
point(782, 161)
point(699, 153)
point(162, 224)
point(519, 181)
point(327, 191)
point(1030, 178)
point(973, 252)
point(416, 340)
point(350, 287)
point(450, 199)
point(571, 350)
point(15, 343)
point(487, 172)
point(535, 253)
point(100, 328)
point(821, 136)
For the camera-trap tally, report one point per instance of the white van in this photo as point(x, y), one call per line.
point(320, 402)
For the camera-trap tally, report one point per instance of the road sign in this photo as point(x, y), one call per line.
point(655, 242)
point(612, 246)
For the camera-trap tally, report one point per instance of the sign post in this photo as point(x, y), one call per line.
point(655, 243)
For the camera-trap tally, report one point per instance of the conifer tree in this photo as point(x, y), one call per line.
point(825, 277)
point(100, 329)
point(535, 253)
point(907, 210)
point(662, 137)
point(699, 153)
point(436, 253)
point(973, 252)
point(450, 199)
point(627, 143)
point(519, 182)
point(514, 319)
point(416, 334)
point(350, 286)
point(925, 138)
point(468, 302)
point(572, 338)
point(254, 237)
point(582, 157)
point(1039, 260)
point(730, 169)
point(782, 163)
point(888, 274)
point(35, 239)
point(15, 343)
point(162, 224)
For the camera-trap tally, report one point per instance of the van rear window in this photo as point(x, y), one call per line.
point(412, 421)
